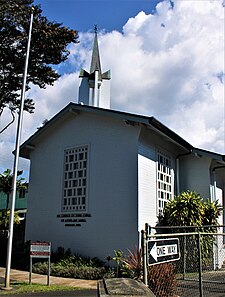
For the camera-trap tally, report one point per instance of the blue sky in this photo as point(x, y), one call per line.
point(84, 14)
point(166, 60)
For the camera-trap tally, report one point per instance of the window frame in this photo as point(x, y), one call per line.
point(164, 179)
point(73, 179)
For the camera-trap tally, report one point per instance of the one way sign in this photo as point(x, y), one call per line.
point(163, 250)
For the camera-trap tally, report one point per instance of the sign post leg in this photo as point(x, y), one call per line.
point(40, 250)
point(144, 257)
point(49, 268)
point(30, 271)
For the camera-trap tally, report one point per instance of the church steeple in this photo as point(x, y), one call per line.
point(94, 88)
point(95, 59)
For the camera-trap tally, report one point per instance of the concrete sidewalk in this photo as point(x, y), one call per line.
point(17, 275)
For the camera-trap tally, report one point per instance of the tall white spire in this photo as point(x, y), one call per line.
point(94, 88)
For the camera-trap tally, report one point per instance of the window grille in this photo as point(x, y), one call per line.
point(75, 179)
point(164, 180)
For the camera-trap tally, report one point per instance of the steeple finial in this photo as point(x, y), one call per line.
point(94, 89)
point(95, 61)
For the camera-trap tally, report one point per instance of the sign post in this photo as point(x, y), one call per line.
point(40, 250)
point(163, 250)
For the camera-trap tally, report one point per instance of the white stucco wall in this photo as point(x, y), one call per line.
point(195, 175)
point(112, 188)
point(146, 186)
point(104, 94)
point(149, 145)
point(83, 96)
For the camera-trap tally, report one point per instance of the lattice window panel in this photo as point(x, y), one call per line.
point(75, 179)
point(164, 180)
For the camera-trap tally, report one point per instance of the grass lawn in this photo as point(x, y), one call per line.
point(22, 287)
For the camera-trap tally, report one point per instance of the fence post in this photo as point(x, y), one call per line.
point(144, 256)
point(185, 256)
point(200, 265)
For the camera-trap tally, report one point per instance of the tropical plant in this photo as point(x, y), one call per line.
point(133, 264)
point(4, 219)
point(6, 179)
point(119, 260)
point(48, 47)
point(212, 211)
point(189, 209)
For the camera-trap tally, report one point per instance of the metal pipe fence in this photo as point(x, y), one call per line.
point(198, 271)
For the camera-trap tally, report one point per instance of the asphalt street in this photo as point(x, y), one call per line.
point(75, 293)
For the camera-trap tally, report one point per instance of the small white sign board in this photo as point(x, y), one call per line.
point(40, 250)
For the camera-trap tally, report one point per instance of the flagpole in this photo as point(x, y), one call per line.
point(16, 160)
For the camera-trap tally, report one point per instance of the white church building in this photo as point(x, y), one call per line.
point(98, 175)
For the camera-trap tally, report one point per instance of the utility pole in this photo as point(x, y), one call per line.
point(16, 160)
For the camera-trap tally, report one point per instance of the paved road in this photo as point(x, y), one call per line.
point(75, 293)
point(191, 289)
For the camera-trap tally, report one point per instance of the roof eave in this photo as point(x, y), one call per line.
point(170, 134)
point(152, 122)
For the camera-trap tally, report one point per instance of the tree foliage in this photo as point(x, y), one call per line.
point(6, 179)
point(48, 47)
point(189, 209)
point(4, 219)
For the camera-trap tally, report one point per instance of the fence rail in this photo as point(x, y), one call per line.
point(200, 269)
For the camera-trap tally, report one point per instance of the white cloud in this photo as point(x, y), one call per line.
point(169, 65)
point(172, 69)
point(48, 102)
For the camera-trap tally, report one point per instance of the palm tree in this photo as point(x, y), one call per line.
point(6, 179)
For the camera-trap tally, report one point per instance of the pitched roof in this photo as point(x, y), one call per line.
point(129, 118)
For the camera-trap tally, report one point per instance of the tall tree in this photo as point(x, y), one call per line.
point(6, 179)
point(48, 47)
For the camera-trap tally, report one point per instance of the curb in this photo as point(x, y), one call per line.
point(125, 287)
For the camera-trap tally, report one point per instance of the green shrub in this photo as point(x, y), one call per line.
point(189, 209)
point(41, 268)
point(71, 271)
point(80, 261)
point(83, 272)
point(73, 266)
